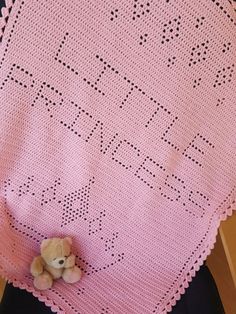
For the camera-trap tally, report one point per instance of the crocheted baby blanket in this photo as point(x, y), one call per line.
point(118, 123)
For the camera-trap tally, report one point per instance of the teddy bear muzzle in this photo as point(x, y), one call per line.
point(58, 262)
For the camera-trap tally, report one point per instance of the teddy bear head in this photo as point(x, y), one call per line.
point(55, 251)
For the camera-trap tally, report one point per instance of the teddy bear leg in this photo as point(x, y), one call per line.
point(43, 281)
point(72, 274)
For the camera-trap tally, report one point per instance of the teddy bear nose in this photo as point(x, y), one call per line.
point(61, 262)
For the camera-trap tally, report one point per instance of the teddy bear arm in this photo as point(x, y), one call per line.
point(37, 265)
point(70, 261)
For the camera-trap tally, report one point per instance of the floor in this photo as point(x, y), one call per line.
point(2, 285)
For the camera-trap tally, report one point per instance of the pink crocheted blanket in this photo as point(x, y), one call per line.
point(118, 123)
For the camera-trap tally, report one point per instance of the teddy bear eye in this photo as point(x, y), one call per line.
point(54, 258)
point(66, 256)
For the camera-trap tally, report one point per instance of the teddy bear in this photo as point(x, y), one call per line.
point(55, 261)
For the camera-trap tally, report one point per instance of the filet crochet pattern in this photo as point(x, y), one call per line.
point(118, 123)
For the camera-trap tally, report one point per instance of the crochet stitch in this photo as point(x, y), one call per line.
point(118, 124)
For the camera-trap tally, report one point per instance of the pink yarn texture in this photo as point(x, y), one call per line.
point(118, 123)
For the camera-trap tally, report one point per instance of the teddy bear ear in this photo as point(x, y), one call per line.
point(69, 240)
point(44, 243)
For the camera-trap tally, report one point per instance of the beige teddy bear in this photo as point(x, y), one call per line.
point(54, 262)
